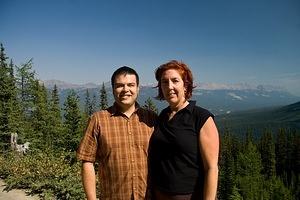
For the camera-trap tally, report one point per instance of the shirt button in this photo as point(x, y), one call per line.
point(134, 188)
point(132, 160)
point(129, 132)
point(133, 175)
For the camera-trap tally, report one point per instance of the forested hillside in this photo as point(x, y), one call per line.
point(265, 167)
point(257, 120)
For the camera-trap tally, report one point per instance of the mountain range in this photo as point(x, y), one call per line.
point(218, 98)
point(258, 120)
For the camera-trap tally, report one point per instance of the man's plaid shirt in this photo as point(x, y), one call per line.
point(120, 145)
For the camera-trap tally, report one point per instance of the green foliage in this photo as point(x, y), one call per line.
point(227, 171)
point(235, 194)
point(262, 167)
point(10, 112)
point(150, 105)
point(267, 151)
point(249, 167)
point(73, 122)
point(278, 190)
point(49, 174)
point(40, 118)
point(103, 98)
point(55, 128)
point(90, 104)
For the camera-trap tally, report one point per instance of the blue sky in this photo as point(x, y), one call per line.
point(81, 41)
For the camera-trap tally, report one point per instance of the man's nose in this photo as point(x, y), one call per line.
point(125, 88)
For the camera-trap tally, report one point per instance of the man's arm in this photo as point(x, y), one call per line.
point(89, 180)
point(209, 148)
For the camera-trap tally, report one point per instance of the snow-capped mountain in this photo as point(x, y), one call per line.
point(218, 98)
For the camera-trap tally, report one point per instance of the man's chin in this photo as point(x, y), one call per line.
point(126, 102)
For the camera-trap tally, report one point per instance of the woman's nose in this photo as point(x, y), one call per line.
point(170, 85)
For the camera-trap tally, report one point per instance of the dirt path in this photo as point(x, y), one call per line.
point(14, 194)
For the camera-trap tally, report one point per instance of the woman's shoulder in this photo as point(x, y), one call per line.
point(199, 110)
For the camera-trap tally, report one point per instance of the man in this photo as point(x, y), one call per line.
point(118, 139)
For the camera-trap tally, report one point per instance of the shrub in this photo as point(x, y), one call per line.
point(51, 175)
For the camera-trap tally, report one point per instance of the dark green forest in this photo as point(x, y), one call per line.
point(261, 167)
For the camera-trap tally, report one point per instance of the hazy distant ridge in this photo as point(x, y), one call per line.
point(218, 98)
point(201, 86)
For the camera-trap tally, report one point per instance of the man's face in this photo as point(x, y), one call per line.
point(125, 90)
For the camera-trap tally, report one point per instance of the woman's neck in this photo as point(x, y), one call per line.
point(179, 106)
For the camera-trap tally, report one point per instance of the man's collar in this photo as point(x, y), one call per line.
point(115, 109)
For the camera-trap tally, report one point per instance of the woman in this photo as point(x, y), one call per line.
point(183, 151)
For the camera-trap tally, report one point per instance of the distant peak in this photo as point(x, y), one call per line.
point(65, 85)
point(238, 86)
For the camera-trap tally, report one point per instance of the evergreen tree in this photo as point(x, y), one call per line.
point(235, 194)
point(5, 96)
point(279, 190)
point(10, 112)
point(227, 178)
point(150, 105)
point(93, 107)
point(15, 118)
point(267, 150)
point(40, 118)
point(72, 122)
point(289, 159)
point(280, 152)
point(103, 98)
point(296, 165)
point(89, 107)
point(249, 180)
point(55, 120)
point(26, 86)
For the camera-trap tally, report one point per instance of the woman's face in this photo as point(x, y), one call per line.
point(172, 87)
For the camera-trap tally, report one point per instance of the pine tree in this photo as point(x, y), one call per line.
point(280, 153)
point(10, 112)
point(89, 107)
point(15, 118)
point(103, 98)
point(93, 107)
point(4, 91)
point(296, 164)
point(290, 160)
point(40, 118)
point(72, 122)
point(279, 190)
point(26, 85)
point(5, 96)
point(267, 150)
point(150, 105)
point(227, 172)
point(249, 180)
point(55, 120)
point(235, 194)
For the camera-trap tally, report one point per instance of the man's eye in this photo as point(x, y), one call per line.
point(118, 86)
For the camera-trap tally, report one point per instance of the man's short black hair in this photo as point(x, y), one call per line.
point(124, 71)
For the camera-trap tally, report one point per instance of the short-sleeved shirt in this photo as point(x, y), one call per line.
point(120, 145)
point(175, 161)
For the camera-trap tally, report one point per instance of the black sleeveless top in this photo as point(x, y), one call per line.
point(175, 164)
